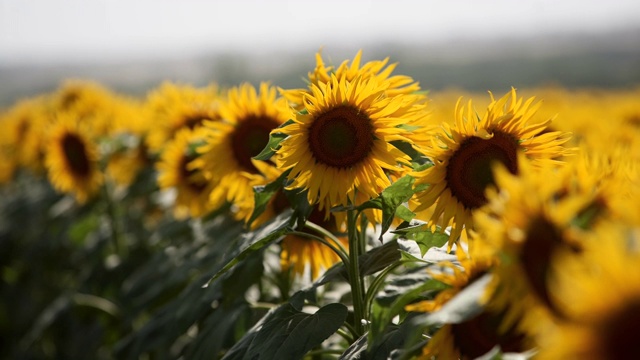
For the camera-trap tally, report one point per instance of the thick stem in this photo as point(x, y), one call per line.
point(355, 278)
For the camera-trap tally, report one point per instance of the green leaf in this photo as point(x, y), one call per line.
point(422, 235)
point(256, 240)
point(390, 199)
point(274, 143)
point(263, 194)
point(404, 213)
point(288, 333)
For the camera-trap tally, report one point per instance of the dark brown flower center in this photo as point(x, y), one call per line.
point(478, 335)
point(248, 139)
point(341, 137)
point(469, 170)
point(619, 333)
point(75, 153)
point(543, 239)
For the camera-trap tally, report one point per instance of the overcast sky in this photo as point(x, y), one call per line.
point(83, 30)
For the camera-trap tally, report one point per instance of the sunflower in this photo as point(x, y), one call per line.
point(340, 148)
point(477, 335)
point(529, 221)
point(23, 132)
point(90, 102)
point(247, 118)
point(72, 159)
point(176, 171)
point(172, 107)
point(599, 292)
point(462, 155)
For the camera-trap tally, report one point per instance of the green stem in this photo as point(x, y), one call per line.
point(355, 278)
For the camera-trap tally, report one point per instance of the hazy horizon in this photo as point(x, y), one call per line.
point(77, 31)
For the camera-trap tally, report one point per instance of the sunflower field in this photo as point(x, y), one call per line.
point(360, 216)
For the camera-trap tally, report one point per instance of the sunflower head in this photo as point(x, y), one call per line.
point(72, 159)
point(340, 147)
point(176, 171)
point(172, 107)
point(247, 116)
point(464, 153)
point(599, 292)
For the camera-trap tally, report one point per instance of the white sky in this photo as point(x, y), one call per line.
point(81, 30)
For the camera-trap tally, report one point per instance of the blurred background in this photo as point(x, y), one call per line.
point(131, 46)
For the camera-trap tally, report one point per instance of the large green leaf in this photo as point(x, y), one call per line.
point(288, 333)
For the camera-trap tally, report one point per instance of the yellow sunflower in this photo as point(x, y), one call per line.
point(529, 221)
point(90, 102)
point(23, 132)
point(462, 155)
point(599, 293)
point(172, 107)
point(8, 160)
point(247, 118)
point(339, 148)
point(72, 159)
point(477, 335)
point(176, 171)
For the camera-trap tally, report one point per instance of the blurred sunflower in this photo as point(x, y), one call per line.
point(599, 293)
point(340, 148)
point(90, 102)
point(72, 158)
point(529, 221)
point(172, 107)
point(477, 335)
point(247, 118)
point(23, 132)
point(463, 154)
point(176, 171)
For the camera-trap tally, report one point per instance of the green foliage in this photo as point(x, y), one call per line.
point(287, 332)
